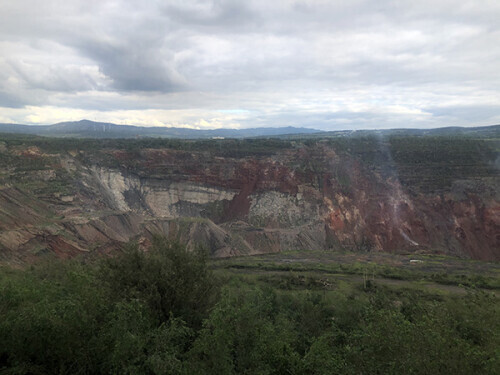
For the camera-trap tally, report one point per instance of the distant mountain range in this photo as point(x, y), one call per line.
point(91, 129)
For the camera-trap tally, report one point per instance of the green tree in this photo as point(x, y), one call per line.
point(168, 278)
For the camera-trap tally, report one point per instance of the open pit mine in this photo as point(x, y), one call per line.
point(398, 194)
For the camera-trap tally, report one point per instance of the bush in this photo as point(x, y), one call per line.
point(168, 279)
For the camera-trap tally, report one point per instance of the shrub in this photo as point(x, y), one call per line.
point(168, 279)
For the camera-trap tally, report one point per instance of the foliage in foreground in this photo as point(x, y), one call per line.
point(164, 312)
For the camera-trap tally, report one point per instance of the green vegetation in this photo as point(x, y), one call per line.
point(168, 311)
point(428, 163)
point(433, 269)
point(220, 147)
point(432, 164)
point(372, 270)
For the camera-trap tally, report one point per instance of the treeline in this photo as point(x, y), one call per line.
point(165, 312)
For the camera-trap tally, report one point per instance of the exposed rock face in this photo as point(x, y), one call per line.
point(363, 195)
point(161, 198)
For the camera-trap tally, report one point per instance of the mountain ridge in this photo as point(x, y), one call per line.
point(92, 129)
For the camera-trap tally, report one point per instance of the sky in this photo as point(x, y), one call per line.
point(329, 65)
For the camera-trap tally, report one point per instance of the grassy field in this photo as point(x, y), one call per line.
point(324, 270)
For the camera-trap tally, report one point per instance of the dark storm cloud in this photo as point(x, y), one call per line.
point(128, 45)
point(133, 67)
point(311, 63)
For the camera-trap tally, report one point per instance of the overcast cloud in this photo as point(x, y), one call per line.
point(230, 63)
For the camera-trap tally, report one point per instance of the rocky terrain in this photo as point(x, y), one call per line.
point(399, 194)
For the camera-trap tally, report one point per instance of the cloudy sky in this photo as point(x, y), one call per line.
point(233, 63)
